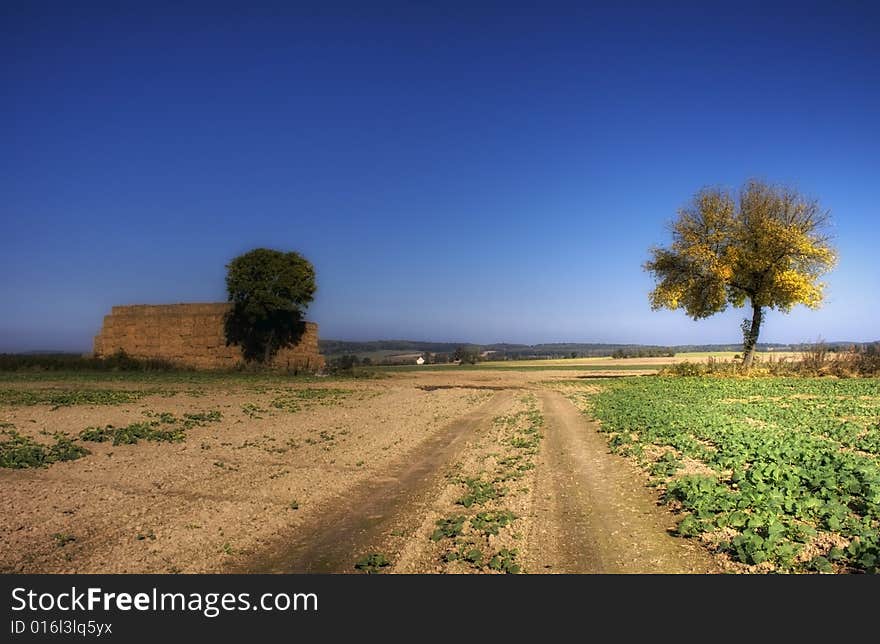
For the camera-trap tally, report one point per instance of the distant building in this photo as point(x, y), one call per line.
point(420, 360)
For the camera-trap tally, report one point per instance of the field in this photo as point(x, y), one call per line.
point(553, 467)
point(778, 474)
point(646, 365)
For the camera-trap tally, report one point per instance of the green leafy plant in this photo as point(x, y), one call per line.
point(492, 522)
point(479, 492)
point(64, 397)
point(165, 428)
point(372, 563)
point(19, 452)
point(505, 561)
point(448, 528)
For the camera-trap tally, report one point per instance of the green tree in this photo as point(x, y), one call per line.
point(467, 355)
point(269, 291)
point(768, 247)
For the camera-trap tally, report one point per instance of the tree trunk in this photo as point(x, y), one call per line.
point(268, 349)
point(750, 339)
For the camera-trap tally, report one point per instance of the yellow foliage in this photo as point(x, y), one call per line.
point(767, 248)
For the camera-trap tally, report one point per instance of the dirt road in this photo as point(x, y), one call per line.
point(593, 513)
point(367, 518)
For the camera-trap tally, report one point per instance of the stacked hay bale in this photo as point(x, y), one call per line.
point(191, 335)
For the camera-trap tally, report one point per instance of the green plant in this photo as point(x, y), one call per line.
point(471, 555)
point(63, 538)
point(448, 528)
point(19, 452)
point(505, 561)
point(63, 397)
point(165, 428)
point(197, 419)
point(491, 522)
point(131, 434)
point(372, 563)
point(293, 400)
point(479, 492)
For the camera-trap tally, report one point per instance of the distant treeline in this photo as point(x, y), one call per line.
point(644, 352)
point(340, 347)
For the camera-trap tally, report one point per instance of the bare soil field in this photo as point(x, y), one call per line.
point(415, 472)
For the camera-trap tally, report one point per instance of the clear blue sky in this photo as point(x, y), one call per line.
point(462, 172)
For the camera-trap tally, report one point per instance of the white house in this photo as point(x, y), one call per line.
point(420, 360)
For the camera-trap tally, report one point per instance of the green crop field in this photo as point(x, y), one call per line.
point(778, 473)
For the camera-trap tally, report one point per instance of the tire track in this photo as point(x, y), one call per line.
point(363, 519)
point(593, 513)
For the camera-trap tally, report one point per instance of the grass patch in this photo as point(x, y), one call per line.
point(119, 361)
point(67, 397)
point(295, 399)
point(165, 427)
point(21, 452)
point(253, 411)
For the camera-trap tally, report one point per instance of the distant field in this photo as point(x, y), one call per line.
point(519, 365)
point(605, 363)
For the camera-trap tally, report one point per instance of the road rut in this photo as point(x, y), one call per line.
point(395, 500)
point(593, 512)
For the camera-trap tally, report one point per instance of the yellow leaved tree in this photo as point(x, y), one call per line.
point(767, 248)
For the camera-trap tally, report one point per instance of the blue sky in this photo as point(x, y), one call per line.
point(465, 172)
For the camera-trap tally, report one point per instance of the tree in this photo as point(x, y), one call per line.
point(345, 362)
point(466, 355)
point(269, 291)
point(768, 248)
